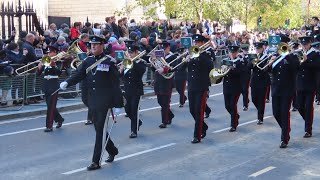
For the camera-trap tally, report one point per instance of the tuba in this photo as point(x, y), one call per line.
point(74, 50)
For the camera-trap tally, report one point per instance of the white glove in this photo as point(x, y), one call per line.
point(116, 111)
point(160, 70)
point(63, 85)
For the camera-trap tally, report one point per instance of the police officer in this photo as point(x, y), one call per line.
point(133, 87)
point(284, 70)
point(104, 93)
point(260, 81)
point(232, 87)
point(198, 77)
point(50, 85)
point(307, 83)
point(245, 76)
point(180, 79)
point(163, 87)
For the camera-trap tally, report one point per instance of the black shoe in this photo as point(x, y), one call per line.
point(161, 126)
point(93, 166)
point(126, 115)
point(207, 114)
point(307, 135)
point(260, 122)
point(133, 135)
point(283, 145)
point(48, 130)
point(110, 158)
point(245, 108)
point(170, 120)
point(59, 124)
point(203, 135)
point(180, 105)
point(294, 109)
point(88, 122)
point(232, 129)
point(140, 124)
point(195, 140)
point(267, 100)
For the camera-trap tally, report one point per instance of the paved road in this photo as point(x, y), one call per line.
point(253, 152)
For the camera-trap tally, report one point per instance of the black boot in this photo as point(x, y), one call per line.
point(93, 166)
point(283, 144)
point(59, 124)
point(195, 140)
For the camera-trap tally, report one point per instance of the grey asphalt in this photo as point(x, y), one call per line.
point(252, 152)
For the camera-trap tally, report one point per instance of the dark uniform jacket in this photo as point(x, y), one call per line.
point(103, 83)
point(133, 84)
point(49, 85)
point(284, 76)
point(259, 78)
point(307, 74)
point(163, 86)
point(181, 71)
point(232, 81)
point(245, 71)
point(198, 72)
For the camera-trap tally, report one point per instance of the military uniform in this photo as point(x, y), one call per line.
point(198, 78)
point(284, 71)
point(163, 90)
point(316, 45)
point(306, 86)
point(180, 79)
point(232, 90)
point(245, 79)
point(50, 85)
point(104, 91)
point(267, 51)
point(133, 90)
point(210, 52)
point(259, 83)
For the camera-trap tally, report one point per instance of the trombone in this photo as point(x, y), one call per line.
point(46, 60)
point(128, 63)
point(152, 51)
point(283, 50)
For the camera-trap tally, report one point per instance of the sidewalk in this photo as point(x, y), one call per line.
point(63, 105)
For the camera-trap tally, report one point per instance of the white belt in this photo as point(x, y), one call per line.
point(50, 77)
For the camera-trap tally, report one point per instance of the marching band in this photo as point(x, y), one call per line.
point(294, 69)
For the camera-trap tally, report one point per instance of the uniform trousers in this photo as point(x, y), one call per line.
point(132, 107)
point(258, 96)
point(101, 127)
point(85, 97)
point(197, 105)
point(49, 86)
point(166, 113)
point(245, 92)
point(181, 87)
point(281, 112)
point(305, 107)
point(231, 105)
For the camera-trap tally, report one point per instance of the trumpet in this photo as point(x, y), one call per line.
point(46, 60)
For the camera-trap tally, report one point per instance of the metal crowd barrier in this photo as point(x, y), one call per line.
point(17, 90)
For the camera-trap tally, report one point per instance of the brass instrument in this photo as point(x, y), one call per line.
point(46, 60)
point(152, 51)
point(216, 74)
point(195, 51)
point(73, 50)
point(128, 63)
point(283, 50)
point(158, 63)
point(303, 53)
